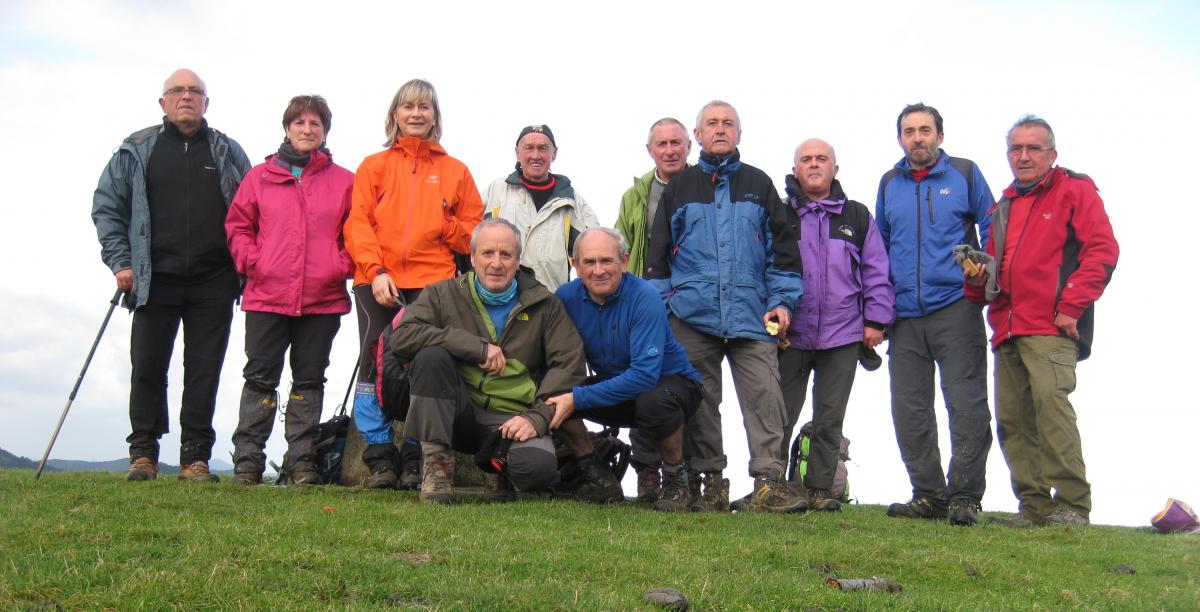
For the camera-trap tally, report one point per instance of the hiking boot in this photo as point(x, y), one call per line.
point(715, 496)
point(772, 494)
point(1016, 521)
point(197, 471)
point(304, 474)
point(964, 511)
point(649, 483)
point(410, 476)
point(821, 500)
point(739, 504)
point(1064, 517)
point(142, 468)
point(599, 485)
point(496, 488)
point(410, 467)
point(919, 507)
point(382, 477)
point(247, 478)
point(382, 459)
point(673, 493)
point(438, 485)
point(693, 486)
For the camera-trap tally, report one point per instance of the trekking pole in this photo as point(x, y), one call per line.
point(116, 299)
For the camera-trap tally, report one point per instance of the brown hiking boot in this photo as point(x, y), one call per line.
point(821, 500)
point(141, 468)
point(1016, 521)
point(649, 482)
point(715, 495)
point(772, 494)
point(197, 471)
point(673, 495)
point(437, 487)
point(497, 489)
point(1064, 517)
point(919, 507)
point(599, 485)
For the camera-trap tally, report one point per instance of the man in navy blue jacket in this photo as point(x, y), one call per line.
point(723, 255)
point(642, 376)
point(927, 204)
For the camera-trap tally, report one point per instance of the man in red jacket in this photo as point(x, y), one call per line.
point(1054, 253)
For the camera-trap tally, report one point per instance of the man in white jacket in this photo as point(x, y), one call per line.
point(546, 207)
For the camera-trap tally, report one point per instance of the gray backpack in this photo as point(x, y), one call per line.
point(798, 463)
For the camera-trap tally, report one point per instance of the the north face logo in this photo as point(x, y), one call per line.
point(846, 230)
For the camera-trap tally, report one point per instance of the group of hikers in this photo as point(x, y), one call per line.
point(506, 354)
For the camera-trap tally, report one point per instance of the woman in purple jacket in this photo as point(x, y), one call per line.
point(285, 235)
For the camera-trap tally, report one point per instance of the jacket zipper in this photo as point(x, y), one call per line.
point(1012, 260)
point(920, 241)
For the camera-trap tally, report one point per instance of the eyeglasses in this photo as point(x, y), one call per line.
point(179, 91)
point(1018, 150)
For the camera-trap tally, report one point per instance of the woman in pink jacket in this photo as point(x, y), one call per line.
point(285, 235)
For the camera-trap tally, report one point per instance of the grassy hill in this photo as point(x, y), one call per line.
point(90, 540)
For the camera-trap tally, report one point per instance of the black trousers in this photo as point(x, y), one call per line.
point(833, 372)
point(372, 318)
point(205, 309)
point(655, 414)
point(268, 336)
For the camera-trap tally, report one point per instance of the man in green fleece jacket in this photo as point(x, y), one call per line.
point(669, 146)
point(486, 350)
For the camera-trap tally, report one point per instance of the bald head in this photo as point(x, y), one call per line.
point(815, 168)
point(184, 100)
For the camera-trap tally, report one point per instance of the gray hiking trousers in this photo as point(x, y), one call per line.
point(954, 339)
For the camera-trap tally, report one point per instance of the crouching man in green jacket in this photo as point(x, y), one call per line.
point(486, 350)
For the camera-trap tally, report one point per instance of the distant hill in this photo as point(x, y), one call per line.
point(9, 460)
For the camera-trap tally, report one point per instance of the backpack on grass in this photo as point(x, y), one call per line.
point(798, 463)
point(391, 374)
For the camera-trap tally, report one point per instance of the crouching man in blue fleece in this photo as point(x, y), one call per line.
point(642, 379)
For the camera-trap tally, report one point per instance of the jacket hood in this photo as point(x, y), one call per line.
point(280, 171)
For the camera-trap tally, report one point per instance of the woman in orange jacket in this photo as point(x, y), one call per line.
point(413, 208)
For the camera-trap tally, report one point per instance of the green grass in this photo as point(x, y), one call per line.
point(94, 541)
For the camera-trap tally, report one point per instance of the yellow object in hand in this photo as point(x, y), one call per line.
point(773, 328)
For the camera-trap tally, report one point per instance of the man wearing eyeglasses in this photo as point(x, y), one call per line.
point(159, 210)
point(929, 203)
point(643, 377)
point(1055, 252)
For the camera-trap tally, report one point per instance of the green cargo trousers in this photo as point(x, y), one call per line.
point(1036, 424)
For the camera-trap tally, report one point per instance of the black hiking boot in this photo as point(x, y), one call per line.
point(599, 485)
point(964, 511)
point(382, 459)
point(673, 493)
point(821, 500)
point(919, 507)
point(410, 467)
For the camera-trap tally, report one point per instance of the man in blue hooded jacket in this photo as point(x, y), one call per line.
point(929, 203)
point(723, 255)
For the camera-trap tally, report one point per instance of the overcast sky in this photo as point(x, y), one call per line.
point(1118, 81)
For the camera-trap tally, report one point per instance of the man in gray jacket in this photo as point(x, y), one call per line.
point(159, 210)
